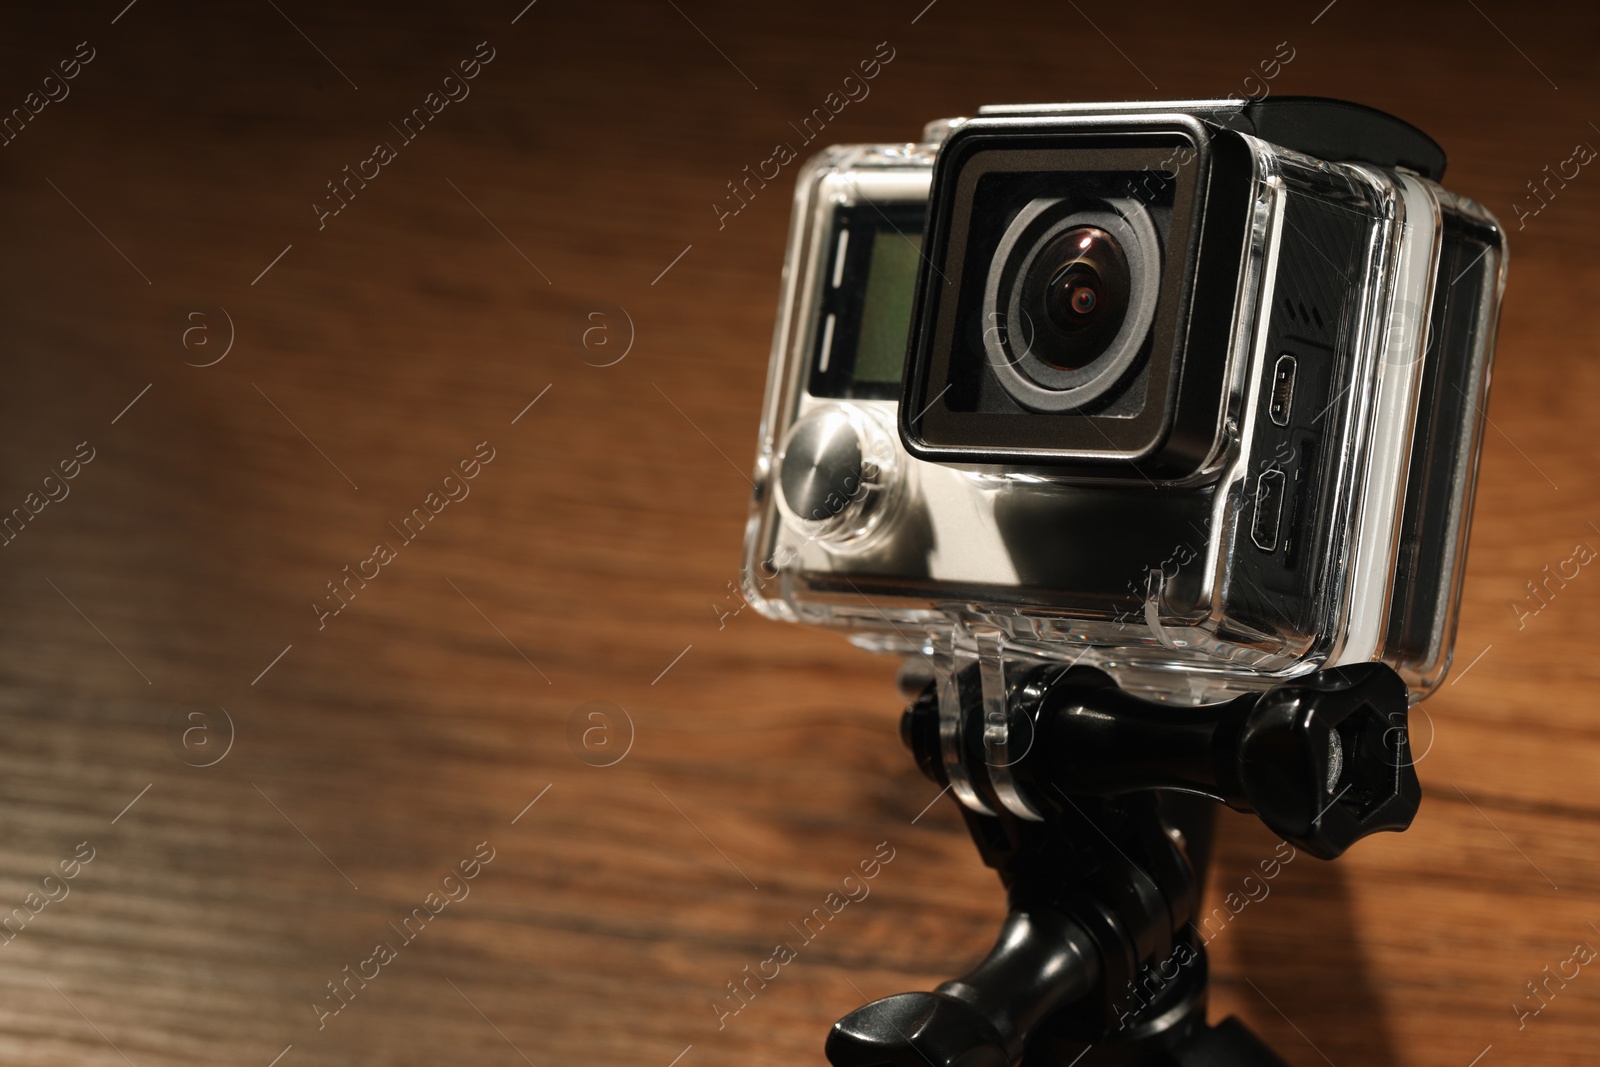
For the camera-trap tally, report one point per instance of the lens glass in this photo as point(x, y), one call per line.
point(1073, 283)
point(1078, 287)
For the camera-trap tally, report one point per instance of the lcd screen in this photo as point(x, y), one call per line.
point(886, 310)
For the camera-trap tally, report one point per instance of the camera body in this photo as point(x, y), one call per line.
point(1192, 392)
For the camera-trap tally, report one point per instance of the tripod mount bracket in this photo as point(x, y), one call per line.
point(1059, 773)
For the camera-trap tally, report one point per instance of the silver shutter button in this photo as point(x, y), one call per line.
point(834, 474)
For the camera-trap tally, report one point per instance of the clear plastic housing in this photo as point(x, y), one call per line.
point(1319, 541)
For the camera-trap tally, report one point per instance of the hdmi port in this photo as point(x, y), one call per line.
point(1269, 510)
point(1283, 374)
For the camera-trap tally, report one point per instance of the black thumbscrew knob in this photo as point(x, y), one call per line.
point(1326, 760)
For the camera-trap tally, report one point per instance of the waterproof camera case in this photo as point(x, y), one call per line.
point(1192, 392)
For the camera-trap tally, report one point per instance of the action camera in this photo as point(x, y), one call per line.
point(1189, 392)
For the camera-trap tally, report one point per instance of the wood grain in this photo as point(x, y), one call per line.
point(379, 751)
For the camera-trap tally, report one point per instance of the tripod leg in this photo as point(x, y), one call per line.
point(1228, 1044)
point(1040, 961)
point(1173, 1034)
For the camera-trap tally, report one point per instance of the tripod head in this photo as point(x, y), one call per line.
point(1060, 776)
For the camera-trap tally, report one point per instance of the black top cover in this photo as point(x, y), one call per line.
point(1340, 131)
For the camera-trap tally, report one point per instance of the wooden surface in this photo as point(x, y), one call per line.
point(596, 549)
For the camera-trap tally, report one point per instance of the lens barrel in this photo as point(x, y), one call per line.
point(1069, 300)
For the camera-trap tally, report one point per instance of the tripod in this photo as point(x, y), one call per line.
point(1082, 798)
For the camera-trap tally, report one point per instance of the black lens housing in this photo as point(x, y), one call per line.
point(1160, 418)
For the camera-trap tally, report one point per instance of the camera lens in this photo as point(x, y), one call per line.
point(1080, 281)
point(1069, 300)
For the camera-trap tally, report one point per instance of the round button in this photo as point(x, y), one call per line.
point(821, 473)
point(834, 474)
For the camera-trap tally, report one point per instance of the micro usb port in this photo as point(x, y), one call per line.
point(1269, 510)
point(1282, 390)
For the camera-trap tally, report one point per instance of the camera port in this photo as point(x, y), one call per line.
point(1282, 390)
point(1269, 510)
point(1300, 509)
